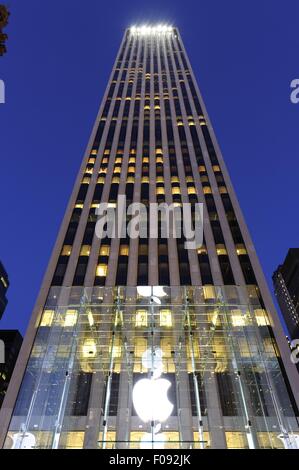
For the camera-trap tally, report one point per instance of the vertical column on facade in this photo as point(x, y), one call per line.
point(113, 259)
point(173, 265)
point(153, 276)
point(134, 242)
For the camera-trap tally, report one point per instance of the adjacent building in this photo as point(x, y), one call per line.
point(145, 341)
point(286, 286)
point(4, 284)
point(4, 14)
point(12, 341)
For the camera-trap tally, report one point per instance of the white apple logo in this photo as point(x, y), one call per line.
point(150, 399)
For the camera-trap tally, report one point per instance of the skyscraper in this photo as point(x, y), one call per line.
point(4, 284)
point(12, 341)
point(286, 285)
point(144, 342)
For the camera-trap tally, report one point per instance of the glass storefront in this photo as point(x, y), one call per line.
point(153, 367)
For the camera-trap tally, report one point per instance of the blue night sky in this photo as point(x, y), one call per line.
point(60, 54)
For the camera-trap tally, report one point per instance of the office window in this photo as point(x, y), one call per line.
point(85, 250)
point(70, 318)
point(221, 250)
point(124, 250)
point(104, 250)
point(165, 318)
point(66, 250)
point(141, 318)
point(101, 270)
point(47, 318)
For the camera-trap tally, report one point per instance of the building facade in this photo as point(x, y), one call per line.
point(143, 342)
point(286, 287)
point(12, 341)
point(4, 284)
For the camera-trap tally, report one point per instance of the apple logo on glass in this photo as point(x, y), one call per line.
point(150, 397)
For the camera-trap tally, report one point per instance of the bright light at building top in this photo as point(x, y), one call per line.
point(147, 30)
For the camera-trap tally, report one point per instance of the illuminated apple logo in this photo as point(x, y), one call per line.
point(150, 398)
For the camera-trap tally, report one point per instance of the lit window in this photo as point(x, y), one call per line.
point(159, 151)
point(89, 348)
point(94, 152)
point(238, 319)
point(216, 168)
point(160, 191)
point(131, 169)
point(86, 180)
point(70, 318)
point(101, 180)
point(107, 152)
point(189, 179)
point(209, 292)
point(132, 159)
point(180, 123)
point(222, 190)
point(115, 179)
point(141, 318)
point(175, 179)
point(202, 250)
point(176, 190)
point(85, 250)
point(145, 160)
point(241, 250)
point(66, 250)
point(104, 250)
point(145, 179)
point(207, 190)
point(101, 270)
point(261, 317)
point(191, 190)
point(47, 318)
point(130, 179)
point(124, 250)
point(117, 170)
point(79, 205)
point(221, 250)
point(159, 159)
point(165, 318)
point(202, 168)
point(160, 179)
point(91, 161)
point(94, 205)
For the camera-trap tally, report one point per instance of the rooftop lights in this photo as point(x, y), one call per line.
point(147, 30)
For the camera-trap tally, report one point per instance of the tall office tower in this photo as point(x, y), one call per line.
point(146, 342)
point(286, 285)
point(12, 341)
point(4, 284)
